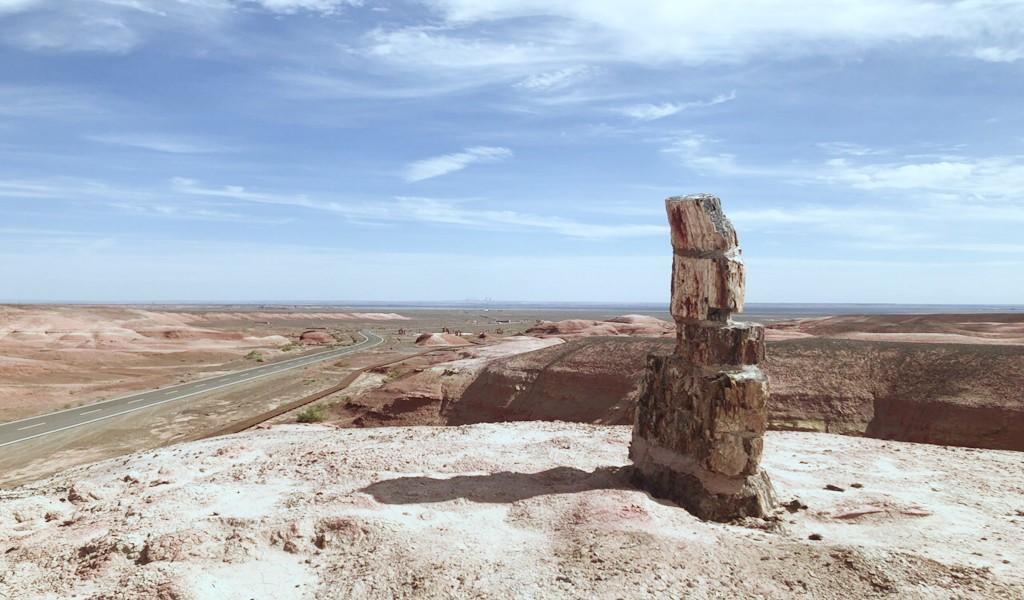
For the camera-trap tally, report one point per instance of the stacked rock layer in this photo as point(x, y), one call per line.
point(701, 416)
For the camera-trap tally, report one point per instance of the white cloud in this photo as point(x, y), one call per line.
point(848, 149)
point(23, 189)
point(555, 80)
point(430, 211)
point(193, 213)
point(107, 34)
point(699, 31)
point(14, 6)
point(161, 143)
point(913, 202)
point(692, 151)
point(419, 47)
point(437, 211)
point(140, 202)
point(293, 6)
point(121, 26)
point(917, 226)
point(992, 178)
point(863, 223)
point(998, 55)
point(318, 85)
point(651, 112)
point(449, 163)
point(109, 26)
point(558, 35)
point(46, 102)
point(946, 177)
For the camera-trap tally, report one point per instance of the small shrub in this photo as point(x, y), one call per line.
point(313, 414)
point(255, 355)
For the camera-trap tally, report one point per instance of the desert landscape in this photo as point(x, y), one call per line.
point(515, 453)
point(57, 356)
point(445, 299)
point(557, 489)
point(517, 509)
point(328, 452)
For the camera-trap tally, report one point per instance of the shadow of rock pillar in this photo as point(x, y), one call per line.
point(701, 416)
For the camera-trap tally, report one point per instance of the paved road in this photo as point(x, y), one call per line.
point(27, 429)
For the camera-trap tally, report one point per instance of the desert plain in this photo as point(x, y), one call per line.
point(481, 452)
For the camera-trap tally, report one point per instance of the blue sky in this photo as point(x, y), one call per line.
point(326, 150)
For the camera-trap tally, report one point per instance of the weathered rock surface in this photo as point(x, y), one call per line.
point(625, 325)
point(588, 379)
point(963, 394)
point(967, 393)
point(512, 510)
point(697, 438)
point(316, 337)
point(441, 339)
point(707, 273)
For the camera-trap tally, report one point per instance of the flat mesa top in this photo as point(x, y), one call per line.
point(699, 224)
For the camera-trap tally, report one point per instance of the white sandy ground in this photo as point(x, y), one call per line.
point(520, 510)
point(476, 358)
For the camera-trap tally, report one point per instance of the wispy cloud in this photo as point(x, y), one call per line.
point(139, 202)
point(716, 31)
point(293, 6)
point(194, 213)
point(557, 79)
point(436, 211)
point(110, 26)
point(694, 152)
point(848, 149)
point(864, 224)
point(943, 177)
point(192, 187)
point(556, 34)
point(42, 239)
point(28, 102)
point(161, 143)
point(298, 84)
point(99, 34)
point(909, 201)
point(651, 112)
point(998, 55)
point(417, 47)
point(405, 209)
point(913, 226)
point(436, 166)
point(977, 178)
point(15, 6)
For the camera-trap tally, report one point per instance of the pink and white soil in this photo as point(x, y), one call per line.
point(55, 356)
point(521, 510)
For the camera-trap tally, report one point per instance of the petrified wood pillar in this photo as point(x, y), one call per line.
point(701, 415)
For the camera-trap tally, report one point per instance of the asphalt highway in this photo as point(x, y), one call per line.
point(34, 427)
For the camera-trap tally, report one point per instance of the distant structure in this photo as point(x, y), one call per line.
point(701, 416)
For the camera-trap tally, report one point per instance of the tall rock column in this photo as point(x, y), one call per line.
point(701, 416)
